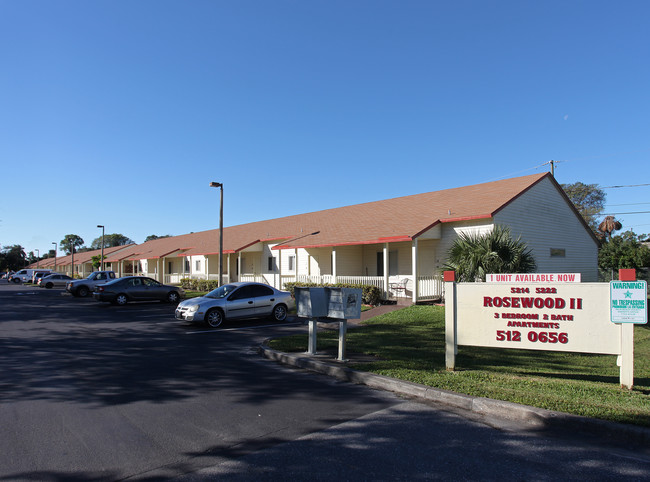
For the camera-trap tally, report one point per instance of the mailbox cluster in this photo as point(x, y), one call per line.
point(336, 304)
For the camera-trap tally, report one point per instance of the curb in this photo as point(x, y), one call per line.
point(536, 418)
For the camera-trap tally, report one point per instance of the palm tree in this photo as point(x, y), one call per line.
point(473, 255)
point(609, 225)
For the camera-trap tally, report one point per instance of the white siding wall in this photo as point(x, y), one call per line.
point(370, 259)
point(349, 261)
point(451, 231)
point(427, 257)
point(544, 220)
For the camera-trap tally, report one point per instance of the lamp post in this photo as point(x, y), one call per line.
point(220, 185)
point(38, 258)
point(56, 248)
point(102, 259)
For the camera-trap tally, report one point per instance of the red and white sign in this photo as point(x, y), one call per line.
point(561, 317)
point(554, 316)
point(534, 278)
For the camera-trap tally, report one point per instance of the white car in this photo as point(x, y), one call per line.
point(236, 300)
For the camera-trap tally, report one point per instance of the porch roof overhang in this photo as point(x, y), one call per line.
point(232, 249)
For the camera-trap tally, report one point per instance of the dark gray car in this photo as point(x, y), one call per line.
point(137, 288)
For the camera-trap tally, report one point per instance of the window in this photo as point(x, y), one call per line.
point(187, 265)
point(169, 267)
point(271, 263)
point(558, 252)
point(197, 265)
point(292, 263)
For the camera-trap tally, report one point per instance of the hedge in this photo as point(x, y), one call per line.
point(370, 295)
point(199, 284)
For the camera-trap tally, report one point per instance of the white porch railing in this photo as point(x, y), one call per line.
point(255, 278)
point(430, 288)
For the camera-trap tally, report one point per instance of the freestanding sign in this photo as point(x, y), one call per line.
point(538, 315)
point(628, 301)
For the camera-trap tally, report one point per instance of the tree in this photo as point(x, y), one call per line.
point(624, 251)
point(151, 237)
point(97, 260)
point(588, 199)
point(111, 240)
point(609, 225)
point(472, 256)
point(70, 242)
point(12, 258)
point(31, 258)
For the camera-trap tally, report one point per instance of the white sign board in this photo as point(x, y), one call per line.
point(562, 317)
point(628, 301)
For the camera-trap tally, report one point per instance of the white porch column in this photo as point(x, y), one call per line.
point(228, 270)
point(207, 268)
point(295, 268)
point(334, 264)
point(162, 272)
point(279, 286)
point(158, 272)
point(386, 269)
point(239, 266)
point(414, 263)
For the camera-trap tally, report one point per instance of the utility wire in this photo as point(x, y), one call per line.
point(627, 204)
point(634, 212)
point(629, 185)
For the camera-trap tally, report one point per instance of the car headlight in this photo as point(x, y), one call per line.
point(192, 308)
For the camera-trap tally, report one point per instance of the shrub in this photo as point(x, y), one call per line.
point(198, 284)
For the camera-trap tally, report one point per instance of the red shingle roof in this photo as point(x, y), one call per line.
point(402, 218)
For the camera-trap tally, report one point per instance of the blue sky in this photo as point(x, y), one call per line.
point(122, 112)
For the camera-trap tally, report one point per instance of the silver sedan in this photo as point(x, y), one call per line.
point(53, 280)
point(236, 301)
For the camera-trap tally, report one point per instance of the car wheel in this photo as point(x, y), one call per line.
point(16, 280)
point(172, 297)
point(280, 313)
point(121, 299)
point(49, 286)
point(214, 317)
point(82, 291)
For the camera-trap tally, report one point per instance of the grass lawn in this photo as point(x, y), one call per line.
point(409, 344)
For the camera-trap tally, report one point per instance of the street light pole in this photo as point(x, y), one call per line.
point(220, 185)
point(56, 248)
point(102, 261)
point(38, 258)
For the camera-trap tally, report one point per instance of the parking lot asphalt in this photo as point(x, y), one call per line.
point(91, 391)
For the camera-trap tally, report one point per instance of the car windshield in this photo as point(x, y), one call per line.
point(221, 291)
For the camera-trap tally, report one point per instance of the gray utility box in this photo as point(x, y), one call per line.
point(338, 303)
